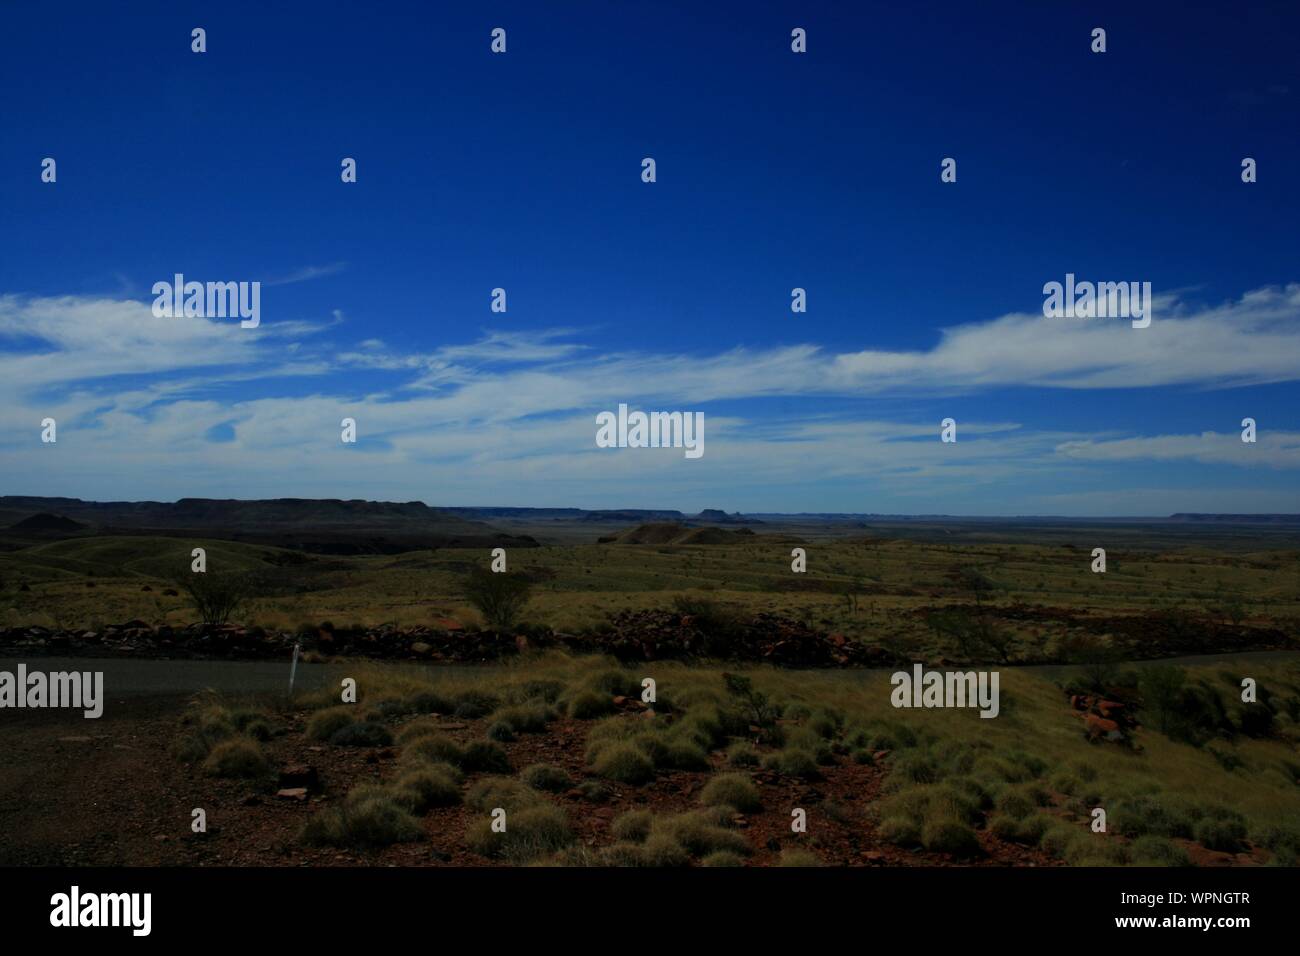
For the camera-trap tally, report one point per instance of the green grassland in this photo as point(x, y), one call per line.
point(870, 589)
point(1028, 776)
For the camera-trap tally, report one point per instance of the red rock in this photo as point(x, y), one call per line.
point(1097, 726)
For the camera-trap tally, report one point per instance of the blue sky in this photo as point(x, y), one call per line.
point(775, 170)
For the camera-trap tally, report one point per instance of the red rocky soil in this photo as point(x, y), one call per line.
point(109, 792)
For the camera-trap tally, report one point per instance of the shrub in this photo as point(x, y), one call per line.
point(621, 854)
point(682, 755)
point(473, 704)
point(1255, 720)
point(742, 754)
point(700, 833)
point(594, 791)
point(324, 724)
point(1225, 758)
point(421, 727)
point(391, 707)
point(1028, 830)
point(499, 597)
point(492, 792)
point(1221, 832)
point(430, 702)
point(1162, 686)
point(1021, 800)
point(1142, 815)
point(792, 763)
point(535, 831)
point(1279, 837)
point(714, 622)
point(485, 757)
point(958, 798)
point(949, 836)
point(1096, 852)
point(424, 787)
point(661, 849)
point(758, 709)
point(731, 789)
point(501, 732)
point(208, 725)
point(237, 757)
point(615, 683)
point(362, 734)
point(245, 717)
point(434, 747)
point(705, 726)
point(825, 723)
point(900, 830)
point(1058, 838)
point(1157, 851)
point(526, 718)
point(259, 729)
point(632, 826)
point(625, 763)
point(547, 691)
point(545, 776)
point(371, 818)
point(588, 704)
point(215, 595)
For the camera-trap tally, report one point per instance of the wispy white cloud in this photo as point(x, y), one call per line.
point(1273, 449)
point(510, 416)
point(306, 274)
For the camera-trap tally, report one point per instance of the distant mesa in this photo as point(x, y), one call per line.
point(1236, 519)
point(672, 533)
point(718, 516)
point(46, 523)
point(320, 526)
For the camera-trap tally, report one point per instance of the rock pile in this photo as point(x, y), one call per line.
point(630, 635)
point(766, 638)
point(1109, 720)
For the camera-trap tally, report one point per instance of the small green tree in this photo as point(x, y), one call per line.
point(1099, 659)
point(499, 596)
point(976, 582)
point(1162, 688)
point(760, 710)
point(215, 595)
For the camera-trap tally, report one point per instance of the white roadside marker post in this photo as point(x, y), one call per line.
point(293, 669)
